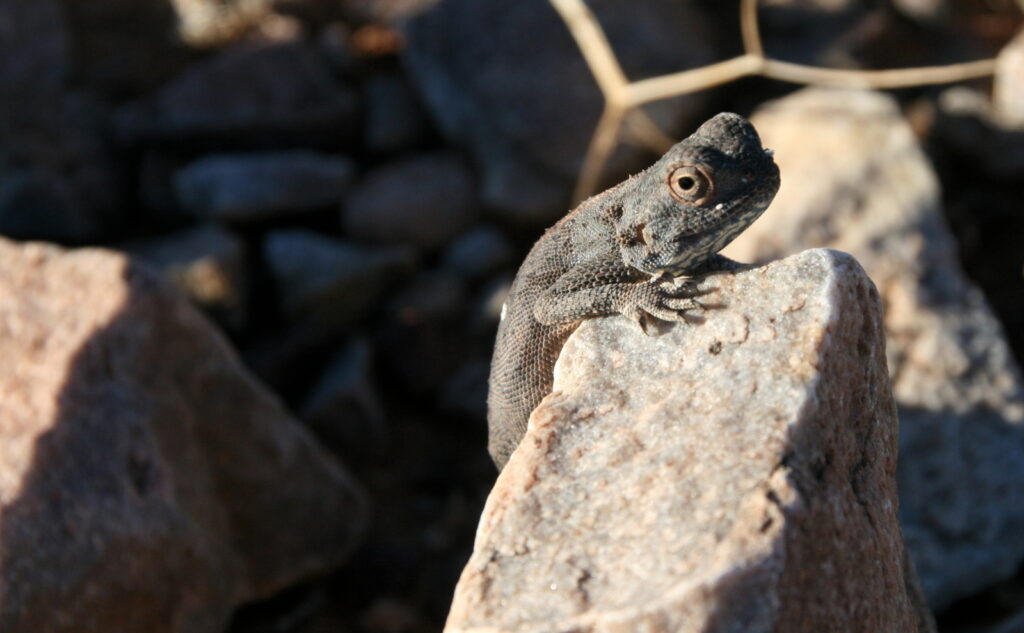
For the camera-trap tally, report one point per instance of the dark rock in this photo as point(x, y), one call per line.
point(149, 482)
point(331, 282)
point(254, 95)
point(429, 297)
point(967, 124)
point(855, 178)
point(253, 186)
point(392, 117)
point(507, 80)
point(424, 337)
point(343, 407)
point(33, 45)
point(479, 253)
point(422, 201)
point(102, 32)
point(207, 263)
point(465, 391)
point(58, 180)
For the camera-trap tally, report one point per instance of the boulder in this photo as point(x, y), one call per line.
point(854, 178)
point(147, 481)
point(737, 476)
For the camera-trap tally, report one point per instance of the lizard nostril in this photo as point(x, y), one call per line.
point(641, 233)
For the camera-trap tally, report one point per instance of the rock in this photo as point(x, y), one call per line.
point(423, 201)
point(426, 335)
point(967, 124)
point(1008, 87)
point(280, 94)
point(328, 281)
point(736, 476)
point(854, 178)
point(479, 253)
point(33, 44)
point(527, 106)
point(147, 481)
point(392, 118)
point(238, 187)
point(207, 263)
point(343, 407)
point(210, 23)
point(58, 179)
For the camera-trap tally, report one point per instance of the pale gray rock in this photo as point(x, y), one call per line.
point(854, 178)
point(331, 282)
point(732, 476)
point(206, 262)
point(421, 201)
point(147, 481)
point(238, 187)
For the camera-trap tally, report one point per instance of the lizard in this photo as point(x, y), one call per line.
point(625, 251)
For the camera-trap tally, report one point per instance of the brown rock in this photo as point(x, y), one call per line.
point(147, 482)
point(736, 476)
point(854, 178)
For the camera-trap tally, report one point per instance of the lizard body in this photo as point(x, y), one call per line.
point(618, 253)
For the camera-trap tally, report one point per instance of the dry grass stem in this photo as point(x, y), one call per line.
point(624, 98)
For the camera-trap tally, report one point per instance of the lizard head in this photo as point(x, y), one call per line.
point(700, 195)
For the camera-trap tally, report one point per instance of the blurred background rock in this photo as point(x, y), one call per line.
point(346, 187)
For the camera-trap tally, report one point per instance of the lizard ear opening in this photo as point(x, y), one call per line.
point(691, 185)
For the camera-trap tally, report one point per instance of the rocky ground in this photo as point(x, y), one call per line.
point(345, 188)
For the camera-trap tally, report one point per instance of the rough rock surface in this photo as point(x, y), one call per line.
point(855, 179)
point(147, 482)
point(254, 186)
point(733, 476)
point(527, 106)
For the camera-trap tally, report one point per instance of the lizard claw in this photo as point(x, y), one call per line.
point(661, 300)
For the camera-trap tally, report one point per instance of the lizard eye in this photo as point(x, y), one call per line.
point(691, 185)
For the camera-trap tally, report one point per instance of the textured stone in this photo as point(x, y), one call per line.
point(254, 186)
point(733, 476)
point(207, 263)
point(328, 281)
point(507, 80)
point(147, 481)
point(252, 95)
point(422, 201)
point(854, 178)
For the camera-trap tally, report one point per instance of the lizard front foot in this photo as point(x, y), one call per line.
point(665, 301)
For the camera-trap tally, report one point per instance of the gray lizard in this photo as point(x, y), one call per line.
point(620, 252)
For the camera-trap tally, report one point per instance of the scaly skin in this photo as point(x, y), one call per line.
point(619, 252)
